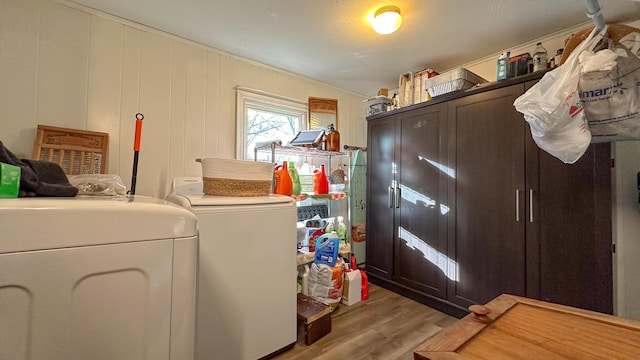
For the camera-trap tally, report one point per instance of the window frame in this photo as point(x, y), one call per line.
point(262, 101)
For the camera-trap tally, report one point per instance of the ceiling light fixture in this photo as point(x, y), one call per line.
point(387, 19)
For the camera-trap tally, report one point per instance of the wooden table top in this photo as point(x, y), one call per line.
point(522, 328)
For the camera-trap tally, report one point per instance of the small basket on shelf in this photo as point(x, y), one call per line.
point(230, 177)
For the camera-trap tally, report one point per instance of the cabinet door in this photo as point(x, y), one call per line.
point(569, 230)
point(420, 260)
point(487, 221)
point(380, 210)
point(97, 302)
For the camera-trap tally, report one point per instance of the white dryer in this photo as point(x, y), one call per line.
point(96, 278)
point(246, 306)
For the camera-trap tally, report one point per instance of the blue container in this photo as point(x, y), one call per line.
point(502, 69)
point(327, 249)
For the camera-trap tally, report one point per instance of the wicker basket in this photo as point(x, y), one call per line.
point(76, 151)
point(229, 177)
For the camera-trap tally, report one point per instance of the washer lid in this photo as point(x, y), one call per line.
point(49, 223)
point(210, 200)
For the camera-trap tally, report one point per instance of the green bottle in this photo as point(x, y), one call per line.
point(341, 229)
point(295, 179)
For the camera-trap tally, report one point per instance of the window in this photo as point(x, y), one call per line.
point(264, 117)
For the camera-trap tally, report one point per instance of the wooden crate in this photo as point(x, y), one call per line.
point(76, 151)
point(315, 316)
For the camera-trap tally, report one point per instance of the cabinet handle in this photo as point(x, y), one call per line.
point(390, 198)
point(397, 197)
point(517, 205)
point(531, 205)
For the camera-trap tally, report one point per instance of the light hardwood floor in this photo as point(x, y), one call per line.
point(386, 326)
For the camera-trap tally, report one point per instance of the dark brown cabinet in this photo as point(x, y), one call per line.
point(487, 216)
point(463, 207)
point(569, 231)
point(408, 195)
point(380, 206)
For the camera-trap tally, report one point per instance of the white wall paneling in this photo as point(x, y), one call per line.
point(212, 120)
point(272, 82)
point(18, 73)
point(155, 104)
point(226, 107)
point(196, 109)
point(177, 146)
point(129, 103)
point(249, 75)
point(65, 65)
point(105, 83)
point(63, 62)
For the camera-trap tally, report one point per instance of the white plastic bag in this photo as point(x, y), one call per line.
point(632, 42)
point(325, 282)
point(610, 95)
point(98, 184)
point(553, 109)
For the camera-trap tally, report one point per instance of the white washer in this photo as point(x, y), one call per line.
point(96, 278)
point(246, 305)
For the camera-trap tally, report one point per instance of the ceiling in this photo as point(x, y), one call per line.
point(332, 41)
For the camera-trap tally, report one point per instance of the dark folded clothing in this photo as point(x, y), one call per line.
point(40, 178)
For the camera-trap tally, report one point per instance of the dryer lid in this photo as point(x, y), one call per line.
point(190, 187)
point(49, 223)
point(209, 200)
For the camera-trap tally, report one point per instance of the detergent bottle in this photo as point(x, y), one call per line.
point(502, 69)
point(306, 178)
point(330, 226)
point(327, 247)
point(341, 229)
point(364, 285)
point(282, 179)
point(295, 179)
point(320, 181)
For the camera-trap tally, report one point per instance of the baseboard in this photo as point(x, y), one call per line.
point(426, 299)
point(278, 352)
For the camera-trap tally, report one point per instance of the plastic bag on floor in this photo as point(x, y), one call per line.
point(553, 109)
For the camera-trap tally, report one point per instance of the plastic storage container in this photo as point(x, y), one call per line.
point(377, 104)
point(454, 80)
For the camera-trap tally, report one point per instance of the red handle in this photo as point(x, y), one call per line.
point(136, 140)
